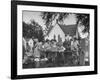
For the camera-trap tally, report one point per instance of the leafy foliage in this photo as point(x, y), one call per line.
point(84, 19)
point(48, 17)
point(33, 30)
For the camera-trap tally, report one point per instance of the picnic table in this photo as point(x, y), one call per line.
point(56, 54)
point(52, 53)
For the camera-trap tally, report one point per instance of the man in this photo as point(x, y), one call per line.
point(24, 50)
point(24, 43)
point(68, 37)
point(67, 42)
point(59, 43)
point(75, 45)
point(53, 53)
point(47, 45)
point(29, 43)
point(75, 49)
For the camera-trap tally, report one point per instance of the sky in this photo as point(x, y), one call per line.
point(30, 15)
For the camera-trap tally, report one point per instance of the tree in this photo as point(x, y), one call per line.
point(33, 30)
point(84, 19)
point(48, 18)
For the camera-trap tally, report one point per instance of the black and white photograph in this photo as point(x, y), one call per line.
point(53, 39)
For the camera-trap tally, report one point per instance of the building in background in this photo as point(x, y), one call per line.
point(61, 30)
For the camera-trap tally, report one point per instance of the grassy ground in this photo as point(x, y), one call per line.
point(59, 62)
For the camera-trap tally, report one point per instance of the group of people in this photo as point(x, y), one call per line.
point(37, 51)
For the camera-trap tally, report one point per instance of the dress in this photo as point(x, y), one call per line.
point(37, 51)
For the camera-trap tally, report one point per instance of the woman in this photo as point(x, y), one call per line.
point(37, 54)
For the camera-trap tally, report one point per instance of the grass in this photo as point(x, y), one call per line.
point(60, 61)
